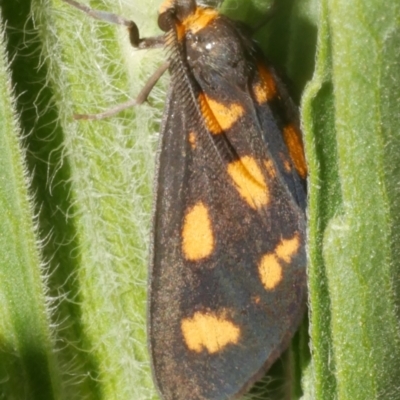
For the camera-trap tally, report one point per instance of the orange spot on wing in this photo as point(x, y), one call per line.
point(192, 139)
point(286, 163)
point(294, 143)
point(209, 331)
point(265, 88)
point(270, 266)
point(270, 271)
point(270, 166)
point(249, 181)
point(287, 248)
point(197, 234)
point(219, 117)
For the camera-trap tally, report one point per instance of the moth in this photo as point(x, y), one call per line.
point(227, 278)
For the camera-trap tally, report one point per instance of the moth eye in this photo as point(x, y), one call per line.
point(165, 21)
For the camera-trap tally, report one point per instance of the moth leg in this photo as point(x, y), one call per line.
point(134, 37)
point(141, 98)
point(137, 42)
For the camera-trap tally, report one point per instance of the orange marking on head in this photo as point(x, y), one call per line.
point(288, 247)
point(192, 139)
point(180, 34)
point(270, 166)
point(249, 181)
point(199, 19)
point(197, 234)
point(294, 143)
point(219, 117)
point(180, 31)
point(270, 271)
point(265, 89)
point(196, 19)
point(209, 331)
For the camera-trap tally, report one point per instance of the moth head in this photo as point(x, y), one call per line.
point(174, 11)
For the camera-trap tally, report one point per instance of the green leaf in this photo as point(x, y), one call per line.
point(91, 184)
point(26, 345)
point(351, 125)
